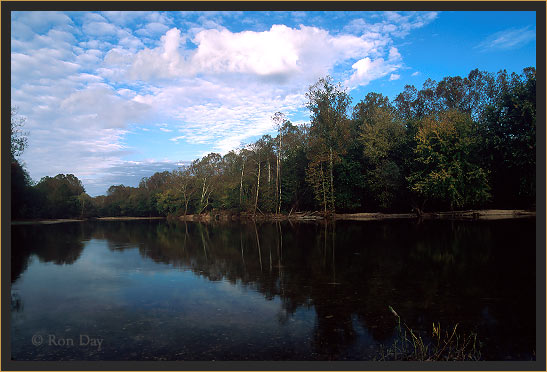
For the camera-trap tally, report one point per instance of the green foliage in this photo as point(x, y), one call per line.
point(169, 202)
point(23, 196)
point(508, 126)
point(60, 196)
point(462, 142)
point(380, 131)
point(385, 181)
point(383, 138)
point(350, 183)
point(447, 171)
point(329, 135)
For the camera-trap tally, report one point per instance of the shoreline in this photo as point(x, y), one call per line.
point(484, 214)
point(63, 220)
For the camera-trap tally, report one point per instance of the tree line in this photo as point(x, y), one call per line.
point(462, 142)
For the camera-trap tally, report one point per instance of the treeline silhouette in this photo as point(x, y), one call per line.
point(462, 142)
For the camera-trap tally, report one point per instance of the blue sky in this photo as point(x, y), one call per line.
point(116, 96)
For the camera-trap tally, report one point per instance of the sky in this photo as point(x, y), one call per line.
point(113, 97)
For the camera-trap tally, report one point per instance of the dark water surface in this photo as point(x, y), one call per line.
point(152, 290)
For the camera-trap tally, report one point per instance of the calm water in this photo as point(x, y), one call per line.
point(151, 290)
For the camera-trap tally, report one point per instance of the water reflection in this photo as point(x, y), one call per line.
point(58, 243)
point(333, 283)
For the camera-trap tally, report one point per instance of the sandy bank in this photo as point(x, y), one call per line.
point(488, 214)
point(127, 218)
point(62, 220)
point(45, 222)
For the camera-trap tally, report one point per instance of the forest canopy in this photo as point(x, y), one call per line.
point(460, 143)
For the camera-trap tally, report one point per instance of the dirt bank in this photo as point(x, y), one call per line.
point(488, 214)
point(127, 218)
point(62, 220)
point(45, 222)
point(225, 216)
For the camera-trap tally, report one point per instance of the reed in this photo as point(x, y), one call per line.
point(444, 345)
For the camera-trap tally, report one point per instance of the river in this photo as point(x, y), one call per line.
point(154, 290)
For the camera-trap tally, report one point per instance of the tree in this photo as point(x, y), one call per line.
point(382, 135)
point(329, 133)
point(23, 198)
point(206, 171)
point(60, 196)
point(279, 120)
point(22, 195)
point(19, 140)
point(257, 150)
point(447, 170)
point(185, 185)
point(508, 125)
point(86, 203)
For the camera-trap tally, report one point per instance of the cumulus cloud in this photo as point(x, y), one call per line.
point(81, 79)
point(280, 52)
point(368, 69)
point(225, 90)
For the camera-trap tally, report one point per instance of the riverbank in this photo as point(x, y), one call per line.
point(487, 214)
point(225, 216)
point(45, 222)
point(127, 218)
point(63, 220)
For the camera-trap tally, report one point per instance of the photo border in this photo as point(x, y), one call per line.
point(8, 6)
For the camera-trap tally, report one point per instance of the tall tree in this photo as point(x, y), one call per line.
point(509, 134)
point(329, 131)
point(206, 171)
point(382, 136)
point(22, 195)
point(279, 120)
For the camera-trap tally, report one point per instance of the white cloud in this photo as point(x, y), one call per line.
point(279, 53)
point(416, 73)
point(40, 21)
point(76, 120)
point(396, 24)
point(367, 69)
point(100, 102)
point(152, 29)
point(394, 77)
point(508, 39)
point(81, 83)
point(99, 29)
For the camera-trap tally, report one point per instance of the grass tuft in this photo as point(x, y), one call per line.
point(444, 345)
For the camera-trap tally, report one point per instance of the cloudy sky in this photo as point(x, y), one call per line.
point(116, 96)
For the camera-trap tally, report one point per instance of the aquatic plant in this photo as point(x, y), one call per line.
point(444, 345)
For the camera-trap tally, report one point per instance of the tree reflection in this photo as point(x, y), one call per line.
point(348, 272)
point(61, 244)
